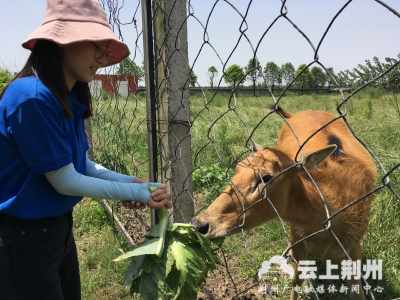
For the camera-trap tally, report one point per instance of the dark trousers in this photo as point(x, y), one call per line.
point(38, 259)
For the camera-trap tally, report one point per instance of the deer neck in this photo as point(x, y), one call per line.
point(300, 205)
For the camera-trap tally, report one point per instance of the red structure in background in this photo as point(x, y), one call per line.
point(112, 84)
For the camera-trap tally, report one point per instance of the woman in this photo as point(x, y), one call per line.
point(44, 170)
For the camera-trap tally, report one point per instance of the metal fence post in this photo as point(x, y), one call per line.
point(150, 97)
point(172, 91)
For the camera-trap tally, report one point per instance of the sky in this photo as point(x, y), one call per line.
point(363, 30)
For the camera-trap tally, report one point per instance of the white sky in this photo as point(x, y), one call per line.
point(365, 29)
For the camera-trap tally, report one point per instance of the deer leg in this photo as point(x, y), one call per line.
point(356, 254)
point(299, 252)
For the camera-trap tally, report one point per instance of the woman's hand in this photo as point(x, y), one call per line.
point(157, 200)
point(160, 198)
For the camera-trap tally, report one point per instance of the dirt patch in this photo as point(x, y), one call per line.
point(135, 221)
point(225, 283)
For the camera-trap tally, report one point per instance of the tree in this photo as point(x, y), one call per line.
point(212, 73)
point(343, 79)
point(305, 80)
point(130, 68)
point(319, 78)
point(192, 78)
point(272, 75)
point(394, 85)
point(287, 72)
point(394, 80)
point(363, 74)
point(329, 79)
point(390, 63)
point(253, 71)
point(233, 75)
point(5, 77)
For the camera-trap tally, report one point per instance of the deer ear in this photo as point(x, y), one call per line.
point(313, 159)
point(256, 147)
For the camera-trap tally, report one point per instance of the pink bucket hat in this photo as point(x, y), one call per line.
point(71, 21)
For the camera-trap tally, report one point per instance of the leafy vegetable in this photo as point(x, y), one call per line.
point(171, 262)
point(153, 188)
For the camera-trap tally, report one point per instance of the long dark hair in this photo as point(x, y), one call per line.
point(45, 63)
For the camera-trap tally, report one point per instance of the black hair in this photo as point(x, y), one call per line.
point(45, 63)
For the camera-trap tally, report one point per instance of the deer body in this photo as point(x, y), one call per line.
point(341, 169)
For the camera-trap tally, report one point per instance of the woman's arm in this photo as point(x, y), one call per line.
point(67, 181)
point(98, 171)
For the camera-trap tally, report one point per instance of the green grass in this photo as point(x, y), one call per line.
point(120, 134)
point(100, 276)
point(221, 145)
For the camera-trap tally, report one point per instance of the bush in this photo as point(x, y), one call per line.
point(289, 94)
point(5, 77)
point(369, 110)
point(142, 94)
point(105, 95)
point(374, 92)
point(210, 178)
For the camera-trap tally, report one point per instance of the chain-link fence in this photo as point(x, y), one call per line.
point(200, 138)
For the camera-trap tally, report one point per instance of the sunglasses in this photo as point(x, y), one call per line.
point(101, 51)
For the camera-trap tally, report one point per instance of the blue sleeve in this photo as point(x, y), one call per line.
point(98, 171)
point(67, 181)
point(38, 131)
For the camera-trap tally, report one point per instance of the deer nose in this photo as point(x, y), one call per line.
point(201, 227)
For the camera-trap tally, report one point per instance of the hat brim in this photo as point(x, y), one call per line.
point(68, 32)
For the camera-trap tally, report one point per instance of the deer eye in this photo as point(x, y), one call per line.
point(267, 178)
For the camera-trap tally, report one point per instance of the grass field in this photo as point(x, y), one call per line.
point(371, 116)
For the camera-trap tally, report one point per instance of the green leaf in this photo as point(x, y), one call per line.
point(164, 222)
point(151, 284)
point(189, 269)
point(171, 263)
point(128, 278)
point(152, 246)
point(148, 247)
point(207, 247)
point(176, 226)
point(155, 231)
point(138, 265)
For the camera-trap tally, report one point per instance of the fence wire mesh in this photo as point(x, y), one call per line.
point(119, 128)
point(201, 142)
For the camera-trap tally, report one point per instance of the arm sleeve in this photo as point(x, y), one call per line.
point(67, 181)
point(98, 171)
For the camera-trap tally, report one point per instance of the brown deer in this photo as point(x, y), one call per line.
point(341, 168)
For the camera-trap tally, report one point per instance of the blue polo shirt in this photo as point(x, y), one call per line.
point(36, 138)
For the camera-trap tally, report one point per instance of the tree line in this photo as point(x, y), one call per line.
point(304, 77)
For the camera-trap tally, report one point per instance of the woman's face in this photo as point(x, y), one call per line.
point(78, 62)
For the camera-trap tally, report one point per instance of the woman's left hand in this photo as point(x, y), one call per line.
point(132, 204)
